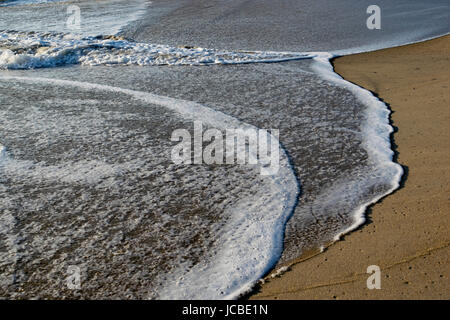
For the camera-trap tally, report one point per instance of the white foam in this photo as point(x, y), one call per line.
point(376, 141)
point(20, 50)
point(279, 272)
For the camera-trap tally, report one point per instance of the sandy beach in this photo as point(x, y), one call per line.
point(406, 233)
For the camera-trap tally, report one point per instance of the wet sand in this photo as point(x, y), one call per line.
point(407, 233)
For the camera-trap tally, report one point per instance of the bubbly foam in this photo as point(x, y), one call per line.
point(19, 50)
point(376, 141)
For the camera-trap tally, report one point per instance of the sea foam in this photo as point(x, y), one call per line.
point(19, 50)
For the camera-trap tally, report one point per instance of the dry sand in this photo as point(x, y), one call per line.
point(407, 233)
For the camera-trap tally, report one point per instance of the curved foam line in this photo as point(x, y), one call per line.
point(259, 225)
point(46, 51)
point(376, 140)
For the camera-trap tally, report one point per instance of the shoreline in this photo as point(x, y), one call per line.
point(406, 232)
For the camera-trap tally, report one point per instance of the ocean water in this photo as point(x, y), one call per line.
point(86, 116)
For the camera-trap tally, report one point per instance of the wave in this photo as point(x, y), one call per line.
point(28, 50)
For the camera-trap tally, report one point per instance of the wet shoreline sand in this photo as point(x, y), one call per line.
point(406, 233)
